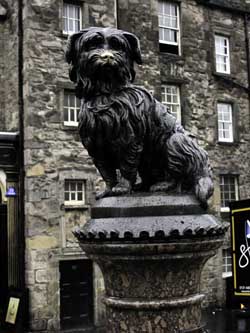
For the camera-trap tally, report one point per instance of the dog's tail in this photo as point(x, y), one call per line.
point(189, 165)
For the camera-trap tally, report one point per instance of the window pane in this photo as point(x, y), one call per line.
point(77, 26)
point(72, 186)
point(78, 102)
point(71, 25)
point(160, 7)
point(66, 114)
point(66, 103)
point(77, 12)
point(72, 115)
point(65, 8)
point(71, 100)
point(80, 196)
point(71, 11)
point(66, 196)
point(73, 196)
point(77, 114)
point(65, 24)
point(79, 186)
point(167, 9)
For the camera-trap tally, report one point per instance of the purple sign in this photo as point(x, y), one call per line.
point(11, 192)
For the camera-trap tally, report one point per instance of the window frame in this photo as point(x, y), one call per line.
point(75, 202)
point(236, 190)
point(177, 29)
point(218, 54)
point(231, 129)
point(75, 4)
point(165, 86)
point(69, 108)
point(227, 263)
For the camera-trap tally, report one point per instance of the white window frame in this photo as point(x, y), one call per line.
point(70, 108)
point(67, 5)
point(225, 122)
point(227, 264)
point(168, 99)
point(222, 54)
point(74, 192)
point(163, 17)
point(235, 190)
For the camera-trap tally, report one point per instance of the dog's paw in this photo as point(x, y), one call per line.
point(104, 194)
point(163, 186)
point(120, 189)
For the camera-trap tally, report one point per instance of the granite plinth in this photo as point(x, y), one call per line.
point(151, 250)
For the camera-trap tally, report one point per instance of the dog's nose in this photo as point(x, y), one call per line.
point(106, 55)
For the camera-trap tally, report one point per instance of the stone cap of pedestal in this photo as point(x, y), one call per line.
point(149, 218)
point(146, 204)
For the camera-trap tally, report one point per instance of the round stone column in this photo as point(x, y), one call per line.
point(151, 250)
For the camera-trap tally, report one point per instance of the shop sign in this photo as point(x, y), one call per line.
point(240, 232)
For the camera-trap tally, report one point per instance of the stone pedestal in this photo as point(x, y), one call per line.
point(151, 250)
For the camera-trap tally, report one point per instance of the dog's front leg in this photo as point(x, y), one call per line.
point(129, 169)
point(108, 174)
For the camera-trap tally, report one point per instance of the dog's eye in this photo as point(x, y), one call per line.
point(93, 43)
point(115, 44)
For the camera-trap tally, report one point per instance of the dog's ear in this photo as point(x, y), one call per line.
point(71, 53)
point(134, 44)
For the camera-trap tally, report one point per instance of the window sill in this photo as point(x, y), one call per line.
point(171, 56)
point(226, 275)
point(226, 75)
point(226, 143)
point(74, 206)
point(70, 127)
point(63, 35)
point(224, 209)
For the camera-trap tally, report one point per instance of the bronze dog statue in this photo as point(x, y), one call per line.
point(123, 127)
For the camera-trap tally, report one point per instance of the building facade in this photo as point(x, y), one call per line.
point(195, 60)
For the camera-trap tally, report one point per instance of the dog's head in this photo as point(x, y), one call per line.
point(102, 59)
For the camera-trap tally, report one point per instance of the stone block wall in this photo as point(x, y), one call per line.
point(9, 67)
point(53, 152)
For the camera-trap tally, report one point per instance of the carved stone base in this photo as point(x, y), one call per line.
point(151, 262)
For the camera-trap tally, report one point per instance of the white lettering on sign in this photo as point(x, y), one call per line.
point(245, 248)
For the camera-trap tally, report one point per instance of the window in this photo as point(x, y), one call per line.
point(170, 96)
point(225, 122)
point(229, 190)
point(74, 192)
point(227, 262)
point(71, 18)
point(222, 54)
point(169, 27)
point(71, 108)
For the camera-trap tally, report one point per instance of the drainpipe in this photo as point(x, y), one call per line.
point(247, 47)
point(21, 145)
point(116, 4)
point(246, 17)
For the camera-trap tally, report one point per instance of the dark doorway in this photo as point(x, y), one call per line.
point(76, 293)
point(3, 257)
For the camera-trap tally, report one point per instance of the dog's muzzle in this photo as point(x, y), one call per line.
point(107, 56)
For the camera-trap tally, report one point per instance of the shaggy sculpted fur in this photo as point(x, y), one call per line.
point(123, 127)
